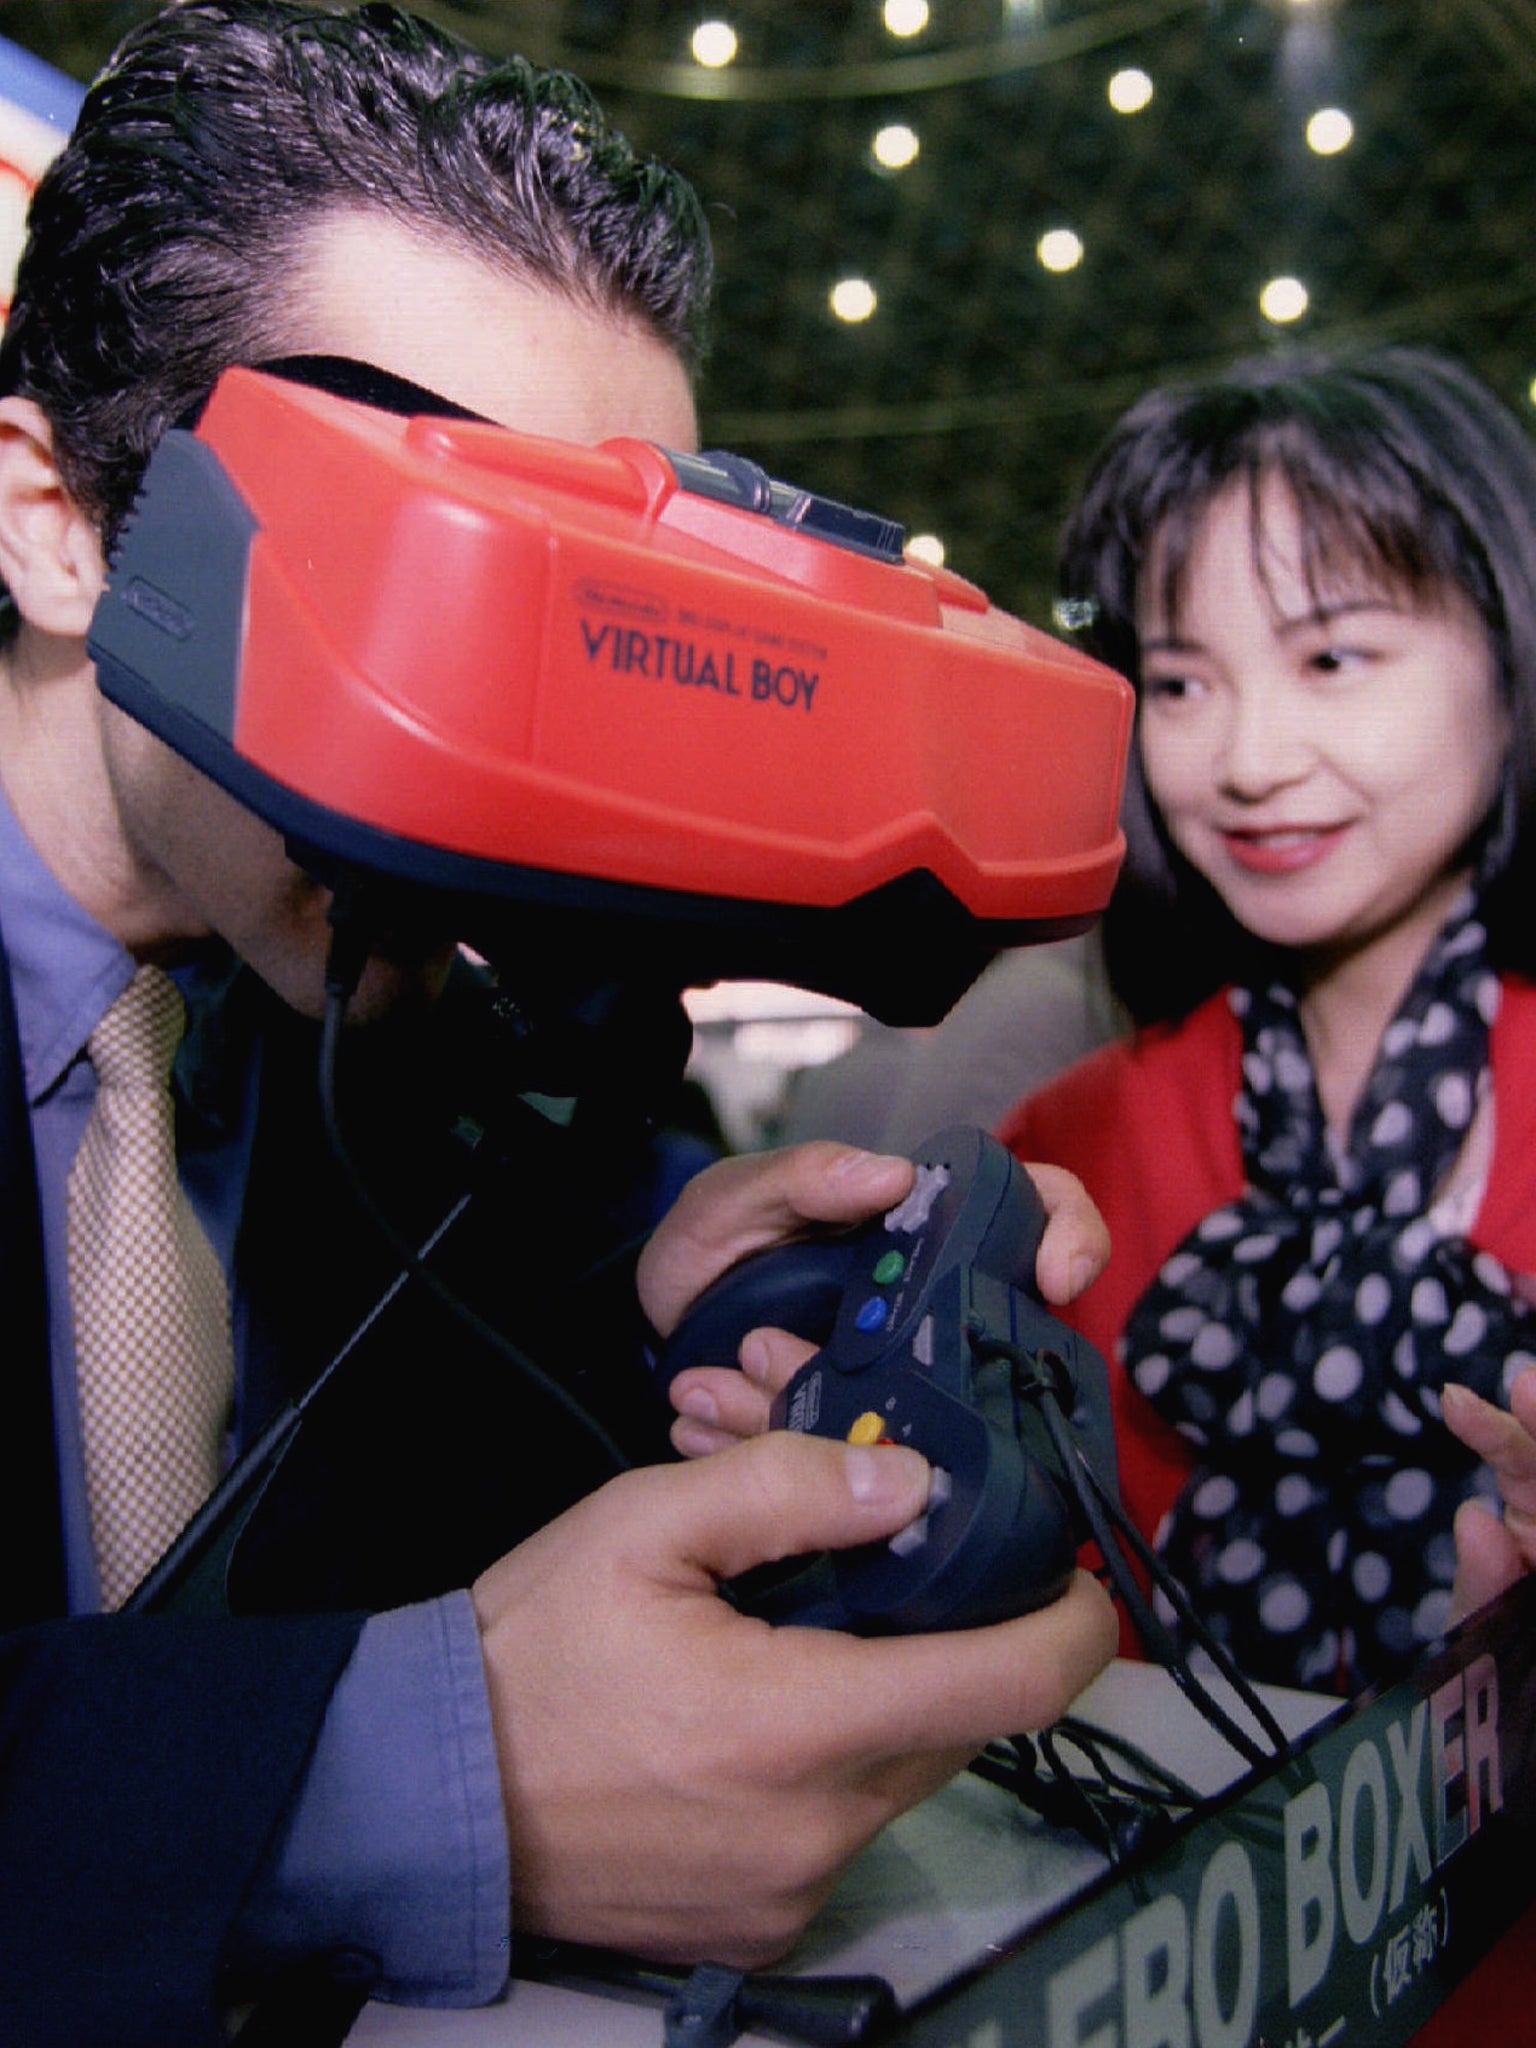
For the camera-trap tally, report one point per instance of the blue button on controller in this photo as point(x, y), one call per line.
point(872, 1314)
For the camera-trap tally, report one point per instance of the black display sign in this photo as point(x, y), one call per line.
point(1337, 1896)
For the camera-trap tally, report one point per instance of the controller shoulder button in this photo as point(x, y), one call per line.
point(911, 1214)
point(912, 1538)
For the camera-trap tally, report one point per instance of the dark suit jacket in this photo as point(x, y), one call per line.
point(147, 1762)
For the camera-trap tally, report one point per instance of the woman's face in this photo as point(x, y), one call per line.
point(1322, 758)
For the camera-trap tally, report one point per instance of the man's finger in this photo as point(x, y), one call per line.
point(716, 1407)
point(770, 1358)
point(954, 1691)
point(785, 1496)
point(740, 1205)
point(781, 1496)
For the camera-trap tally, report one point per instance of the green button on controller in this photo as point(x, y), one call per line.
point(890, 1266)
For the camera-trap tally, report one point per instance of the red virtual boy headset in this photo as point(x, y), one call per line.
point(653, 707)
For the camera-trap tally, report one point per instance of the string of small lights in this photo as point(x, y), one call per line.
point(956, 237)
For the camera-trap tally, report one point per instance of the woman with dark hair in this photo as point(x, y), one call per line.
point(1316, 1152)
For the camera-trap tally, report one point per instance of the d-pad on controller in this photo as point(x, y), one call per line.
point(930, 1328)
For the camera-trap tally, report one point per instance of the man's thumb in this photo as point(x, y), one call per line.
point(784, 1495)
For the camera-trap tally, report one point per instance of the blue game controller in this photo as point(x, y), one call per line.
point(932, 1335)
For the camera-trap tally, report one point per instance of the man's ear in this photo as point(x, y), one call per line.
point(50, 553)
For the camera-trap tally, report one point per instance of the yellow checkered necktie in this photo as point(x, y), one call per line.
point(151, 1306)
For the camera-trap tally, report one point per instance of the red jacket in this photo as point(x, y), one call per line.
point(1146, 1124)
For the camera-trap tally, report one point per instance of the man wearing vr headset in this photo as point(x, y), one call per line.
point(191, 1806)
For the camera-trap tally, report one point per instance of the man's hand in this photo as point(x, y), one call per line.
point(682, 1781)
point(741, 1205)
point(1491, 1554)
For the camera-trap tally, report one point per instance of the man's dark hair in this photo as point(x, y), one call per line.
point(1401, 466)
point(161, 241)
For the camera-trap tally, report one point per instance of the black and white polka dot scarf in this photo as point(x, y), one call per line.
point(1300, 1337)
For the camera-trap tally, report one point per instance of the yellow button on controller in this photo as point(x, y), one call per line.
point(867, 1428)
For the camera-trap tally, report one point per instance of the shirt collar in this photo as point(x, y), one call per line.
point(67, 970)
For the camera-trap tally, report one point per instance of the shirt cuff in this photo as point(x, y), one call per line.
point(398, 1843)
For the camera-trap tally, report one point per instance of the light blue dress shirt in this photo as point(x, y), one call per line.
point(398, 1843)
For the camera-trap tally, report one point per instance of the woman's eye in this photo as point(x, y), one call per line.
point(1169, 689)
point(1333, 661)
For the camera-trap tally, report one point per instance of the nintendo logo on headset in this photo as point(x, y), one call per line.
point(158, 609)
point(622, 599)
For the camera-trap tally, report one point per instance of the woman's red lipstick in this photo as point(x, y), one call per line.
point(1282, 850)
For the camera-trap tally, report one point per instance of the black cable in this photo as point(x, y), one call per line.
point(1035, 1379)
point(1062, 1799)
point(206, 1542)
point(348, 956)
point(1133, 1815)
point(1097, 1744)
point(1116, 1818)
point(813, 2010)
point(1259, 1828)
point(1177, 1598)
point(705, 2010)
point(1108, 1525)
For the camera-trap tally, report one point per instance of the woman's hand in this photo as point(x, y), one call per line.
point(1491, 1554)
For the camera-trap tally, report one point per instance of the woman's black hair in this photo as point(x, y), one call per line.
point(1399, 463)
